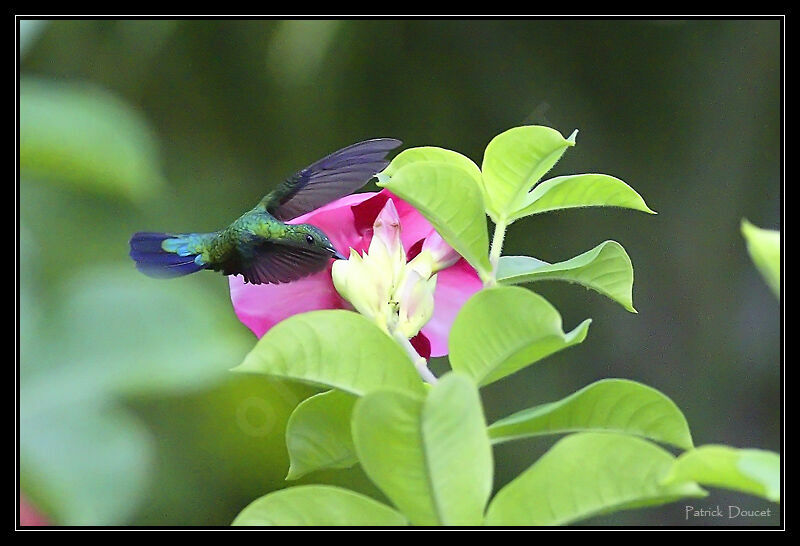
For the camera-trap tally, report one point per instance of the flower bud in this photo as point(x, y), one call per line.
point(386, 227)
point(386, 246)
point(415, 299)
point(442, 253)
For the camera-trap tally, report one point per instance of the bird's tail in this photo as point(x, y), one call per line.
point(165, 255)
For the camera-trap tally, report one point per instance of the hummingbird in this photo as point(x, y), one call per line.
point(260, 245)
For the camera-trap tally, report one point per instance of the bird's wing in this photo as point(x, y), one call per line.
point(276, 263)
point(330, 178)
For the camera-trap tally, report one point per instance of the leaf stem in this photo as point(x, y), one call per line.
point(419, 362)
point(497, 247)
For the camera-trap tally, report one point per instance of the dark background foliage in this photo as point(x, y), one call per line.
point(686, 112)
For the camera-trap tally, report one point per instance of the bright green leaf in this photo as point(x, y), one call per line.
point(487, 346)
point(431, 457)
point(612, 405)
point(606, 269)
point(81, 135)
point(432, 153)
point(753, 471)
point(318, 434)
point(514, 161)
point(586, 474)
point(317, 505)
point(448, 195)
point(764, 246)
point(333, 348)
point(580, 190)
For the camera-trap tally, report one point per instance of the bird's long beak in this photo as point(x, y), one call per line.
point(338, 255)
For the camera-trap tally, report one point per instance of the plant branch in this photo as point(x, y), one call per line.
point(495, 251)
point(419, 362)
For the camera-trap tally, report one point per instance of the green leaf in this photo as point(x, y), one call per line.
point(487, 346)
point(612, 405)
point(753, 471)
point(764, 246)
point(448, 196)
point(580, 190)
point(606, 268)
point(136, 336)
point(586, 474)
point(333, 348)
point(317, 505)
point(318, 434)
point(107, 333)
point(103, 338)
point(514, 161)
point(434, 154)
point(431, 457)
point(81, 135)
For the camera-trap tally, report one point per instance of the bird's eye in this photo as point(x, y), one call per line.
point(309, 239)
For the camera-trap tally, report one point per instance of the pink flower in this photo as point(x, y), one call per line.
point(28, 515)
point(348, 223)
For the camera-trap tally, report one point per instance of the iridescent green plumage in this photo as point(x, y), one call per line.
point(259, 245)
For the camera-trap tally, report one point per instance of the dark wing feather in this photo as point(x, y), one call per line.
point(330, 178)
point(275, 263)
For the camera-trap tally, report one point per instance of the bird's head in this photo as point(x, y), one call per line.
point(314, 239)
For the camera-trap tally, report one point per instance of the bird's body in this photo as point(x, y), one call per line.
point(259, 245)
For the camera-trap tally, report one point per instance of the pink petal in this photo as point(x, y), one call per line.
point(365, 212)
point(454, 286)
point(338, 222)
point(413, 226)
point(422, 345)
point(262, 306)
point(348, 223)
point(414, 250)
point(345, 202)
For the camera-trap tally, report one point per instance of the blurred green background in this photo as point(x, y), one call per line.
point(127, 412)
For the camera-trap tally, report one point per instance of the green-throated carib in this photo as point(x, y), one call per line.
point(259, 245)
